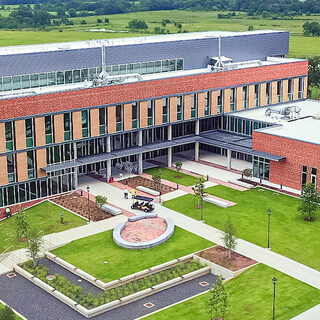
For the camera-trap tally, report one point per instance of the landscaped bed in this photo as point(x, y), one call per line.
point(174, 176)
point(45, 217)
point(79, 204)
point(290, 235)
point(250, 297)
point(99, 256)
point(89, 301)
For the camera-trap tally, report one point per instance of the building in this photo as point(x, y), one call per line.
point(71, 108)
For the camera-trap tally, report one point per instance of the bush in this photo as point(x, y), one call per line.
point(7, 314)
point(101, 200)
point(137, 24)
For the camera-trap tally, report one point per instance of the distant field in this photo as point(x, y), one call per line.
point(300, 46)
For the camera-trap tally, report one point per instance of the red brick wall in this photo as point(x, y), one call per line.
point(58, 128)
point(69, 100)
point(297, 153)
point(3, 147)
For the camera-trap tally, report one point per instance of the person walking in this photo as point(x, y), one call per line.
point(133, 193)
point(126, 192)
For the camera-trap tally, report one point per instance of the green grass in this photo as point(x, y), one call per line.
point(174, 176)
point(250, 297)
point(90, 253)
point(44, 216)
point(16, 316)
point(290, 235)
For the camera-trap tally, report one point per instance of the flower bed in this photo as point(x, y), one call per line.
point(89, 301)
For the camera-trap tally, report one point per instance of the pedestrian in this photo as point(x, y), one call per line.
point(8, 212)
point(126, 193)
point(61, 217)
point(133, 193)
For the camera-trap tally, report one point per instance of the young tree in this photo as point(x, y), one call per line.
point(229, 238)
point(310, 201)
point(156, 177)
point(34, 247)
point(7, 314)
point(199, 193)
point(22, 224)
point(217, 303)
point(178, 167)
point(101, 200)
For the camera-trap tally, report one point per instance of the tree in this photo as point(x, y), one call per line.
point(156, 177)
point(229, 238)
point(137, 24)
point(217, 303)
point(22, 224)
point(34, 247)
point(101, 200)
point(72, 12)
point(314, 71)
point(106, 20)
point(199, 193)
point(178, 167)
point(99, 20)
point(250, 28)
point(7, 314)
point(310, 200)
point(83, 22)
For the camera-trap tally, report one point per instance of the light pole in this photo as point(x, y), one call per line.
point(274, 280)
point(88, 189)
point(269, 214)
point(160, 185)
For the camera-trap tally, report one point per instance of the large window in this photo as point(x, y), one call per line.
point(165, 110)
point(29, 133)
point(103, 114)
point(11, 168)
point(135, 115)
point(232, 99)
point(180, 108)
point(48, 129)
point(67, 126)
point(261, 168)
point(220, 101)
point(300, 89)
point(279, 87)
point(31, 164)
point(268, 92)
point(245, 97)
point(119, 117)
point(256, 95)
point(314, 176)
point(150, 112)
point(290, 89)
point(194, 104)
point(85, 123)
point(304, 176)
point(9, 136)
point(207, 104)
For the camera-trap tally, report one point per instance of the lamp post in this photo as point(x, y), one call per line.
point(160, 185)
point(269, 213)
point(88, 189)
point(274, 280)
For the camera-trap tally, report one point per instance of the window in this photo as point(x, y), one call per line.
point(220, 101)
point(85, 123)
point(43, 80)
point(304, 176)
point(207, 104)
point(29, 133)
point(103, 114)
point(11, 168)
point(135, 113)
point(165, 65)
point(179, 64)
point(279, 86)
point(268, 92)
point(261, 168)
point(9, 136)
point(300, 92)
point(150, 112)
point(256, 95)
point(194, 102)
point(67, 126)
point(119, 117)
point(165, 110)
point(48, 129)
point(7, 83)
point(157, 67)
point(180, 108)
point(232, 99)
point(16, 83)
point(314, 176)
point(290, 85)
point(30, 164)
point(245, 97)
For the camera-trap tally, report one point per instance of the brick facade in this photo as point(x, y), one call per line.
point(39, 129)
point(58, 128)
point(94, 122)
point(2, 138)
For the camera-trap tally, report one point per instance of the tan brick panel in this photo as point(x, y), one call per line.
point(20, 134)
point(143, 114)
point(127, 115)
point(41, 162)
point(214, 102)
point(158, 111)
point(251, 96)
point(111, 119)
point(3, 171)
point(173, 109)
point(274, 98)
point(187, 101)
point(201, 103)
point(21, 166)
point(239, 95)
point(39, 129)
point(58, 128)
point(94, 122)
point(77, 125)
point(295, 88)
point(226, 100)
point(305, 87)
point(3, 147)
point(262, 94)
point(284, 90)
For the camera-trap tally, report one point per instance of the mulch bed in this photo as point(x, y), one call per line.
point(141, 181)
point(78, 204)
point(220, 256)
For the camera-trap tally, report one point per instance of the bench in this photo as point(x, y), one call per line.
point(148, 190)
point(113, 210)
point(241, 184)
point(217, 202)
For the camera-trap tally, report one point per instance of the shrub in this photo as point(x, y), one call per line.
point(7, 314)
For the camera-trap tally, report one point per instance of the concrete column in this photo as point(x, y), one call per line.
point(108, 144)
point(108, 173)
point(76, 180)
point(170, 132)
point(169, 157)
point(196, 151)
point(197, 128)
point(228, 159)
point(140, 164)
point(140, 138)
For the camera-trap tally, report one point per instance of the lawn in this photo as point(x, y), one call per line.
point(16, 316)
point(290, 235)
point(44, 216)
point(90, 253)
point(172, 175)
point(250, 297)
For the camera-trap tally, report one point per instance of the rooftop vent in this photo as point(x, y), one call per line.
point(289, 112)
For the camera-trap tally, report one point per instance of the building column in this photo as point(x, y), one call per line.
point(76, 179)
point(169, 157)
point(196, 151)
point(140, 138)
point(170, 132)
point(197, 127)
point(140, 164)
point(108, 144)
point(228, 159)
point(108, 173)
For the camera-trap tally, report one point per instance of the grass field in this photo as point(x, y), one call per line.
point(290, 235)
point(171, 175)
point(90, 253)
point(44, 216)
point(192, 21)
point(250, 297)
